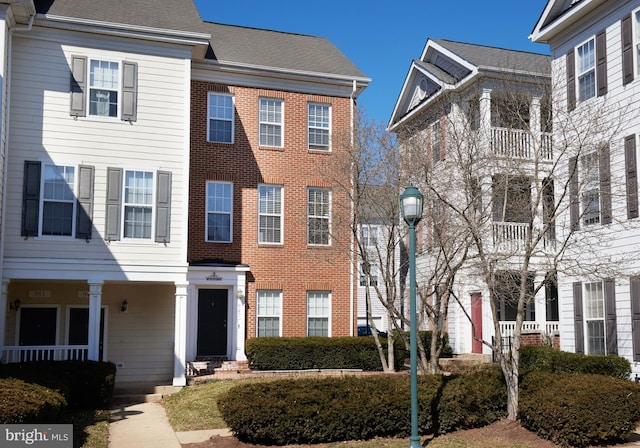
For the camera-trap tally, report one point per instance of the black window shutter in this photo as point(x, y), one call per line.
point(163, 207)
point(114, 204)
point(577, 314)
point(631, 171)
point(84, 217)
point(605, 185)
point(129, 91)
point(31, 198)
point(601, 62)
point(610, 316)
point(627, 50)
point(574, 207)
point(635, 316)
point(571, 80)
point(78, 86)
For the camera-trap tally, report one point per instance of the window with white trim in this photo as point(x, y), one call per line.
point(318, 216)
point(590, 169)
point(586, 70)
point(219, 211)
point(594, 318)
point(318, 311)
point(368, 235)
point(372, 278)
point(270, 220)
point(58, 200)
point(138, 204)
point(220, 121)
point(636, 26)
point(319, 126)
point(104, 87)
point(269, 313)
point(271, 119)
point(435, 142)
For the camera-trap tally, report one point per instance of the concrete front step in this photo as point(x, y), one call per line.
point(125, 393)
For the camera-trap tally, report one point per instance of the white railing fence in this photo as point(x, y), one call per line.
point(517, 143)
point(24, 353)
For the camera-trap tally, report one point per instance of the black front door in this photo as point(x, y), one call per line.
point(79, 328)
point(37, 327)
point(212, 322)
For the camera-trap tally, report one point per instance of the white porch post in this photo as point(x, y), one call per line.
point(485, 117)
point(240, 301)
point(180, 336)
point(95, 303)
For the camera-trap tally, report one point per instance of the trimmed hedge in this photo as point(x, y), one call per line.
point(318, 410)
point(304, 353)
point(579, 409)
point(22, 402)
point(551, 360)
point(84, 384)
point(472, 400)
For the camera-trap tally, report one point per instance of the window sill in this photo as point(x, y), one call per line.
point(271, 148)
point(271, 245)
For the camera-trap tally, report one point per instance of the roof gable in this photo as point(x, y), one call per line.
point(558, 15)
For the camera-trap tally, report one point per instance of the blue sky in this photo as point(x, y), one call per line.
point(382, 39)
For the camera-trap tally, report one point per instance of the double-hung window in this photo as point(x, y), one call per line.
point(368, 235)
point(104, 86)
point(318, 216)
point(58, 200)
point(271, 119)
point(594, 318)
point(586, 70)
point(590, 170)
point(319, 123)
point(270, 214)
point(219, 211)
point(318, 311)
point(269, 313)
point(138, 204)
point(435, 142)
point(220, 122)
point(370, 278)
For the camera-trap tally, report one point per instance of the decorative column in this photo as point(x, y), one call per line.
point(95, 303)
point(180, 336)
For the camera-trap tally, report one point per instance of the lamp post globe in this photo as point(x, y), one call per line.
point(411, 209)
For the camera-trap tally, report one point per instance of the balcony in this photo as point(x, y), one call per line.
point(509, 236)
point(25, 353)
point(519, 144)
point(507, 328)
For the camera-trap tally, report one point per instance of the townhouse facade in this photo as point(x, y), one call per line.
point(134, 181)
point(473, 126)
point(594, 51)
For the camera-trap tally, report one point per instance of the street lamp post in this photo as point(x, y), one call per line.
point(411, 208)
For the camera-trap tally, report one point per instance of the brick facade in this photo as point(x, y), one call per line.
point(292, 267)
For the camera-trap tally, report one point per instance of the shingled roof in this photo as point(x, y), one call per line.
point(279, 50)
point(498, 58)
point(178, 15)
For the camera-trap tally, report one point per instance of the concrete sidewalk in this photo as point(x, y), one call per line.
point(145, 425)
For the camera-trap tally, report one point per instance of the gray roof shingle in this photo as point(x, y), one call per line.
point(280, 50)
point(499, 58)
point(177, 15)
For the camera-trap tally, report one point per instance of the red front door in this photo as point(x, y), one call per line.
point(476, 319)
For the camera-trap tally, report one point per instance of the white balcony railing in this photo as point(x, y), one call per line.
point(517, 144)
point(509, 236)
point(25, 353)
point(507, 328)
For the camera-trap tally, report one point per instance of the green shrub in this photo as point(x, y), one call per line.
point(22, 402)
point(472, 400)
point(319, 410)
point(579, 409)
point(401, 353)
point(84, 384)
point(305, 353)
point(551, 360)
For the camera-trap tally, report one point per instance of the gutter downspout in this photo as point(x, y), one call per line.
point(352, 251)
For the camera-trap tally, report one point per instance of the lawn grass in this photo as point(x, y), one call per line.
point(90, 428)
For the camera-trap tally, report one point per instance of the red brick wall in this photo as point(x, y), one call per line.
point(292, 267)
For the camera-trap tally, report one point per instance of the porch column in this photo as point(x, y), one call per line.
point(95, 303)
point(239, 294)
point(180, 336)
point(3, 313)
point(485, 117)
point(534, 117)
